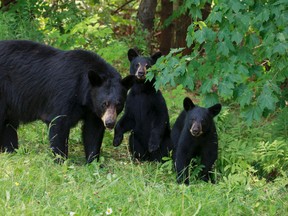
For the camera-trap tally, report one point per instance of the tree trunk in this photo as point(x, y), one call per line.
point(146, 15)
point(5, 3)
point(182, 23)
point(180, 30)
point(206, 11)
point(166, 37)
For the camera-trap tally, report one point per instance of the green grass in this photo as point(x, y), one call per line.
point(32, 184)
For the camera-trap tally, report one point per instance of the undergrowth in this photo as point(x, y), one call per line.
point(251, 176)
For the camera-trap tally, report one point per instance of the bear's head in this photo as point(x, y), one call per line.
point(108, 96)
point(140, 64)
point(199, 120)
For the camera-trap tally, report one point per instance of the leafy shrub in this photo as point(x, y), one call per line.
point(19, 22)
point(239, 54)
point(272, 159)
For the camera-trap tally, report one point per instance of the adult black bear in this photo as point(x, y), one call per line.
point(194, 134)
point(145, 114)
point(60, 88)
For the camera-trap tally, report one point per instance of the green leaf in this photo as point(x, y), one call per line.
point(209, 34)
point(189, 40)
point(280, 2)
point(252, 113)
point(245, 20)
point(245, 97)
point(243, 70)
point(281, 37)
point(281, 49)
point(216, 16)
point(267, 99)
point(223, 48)
point(236, 5)
point(226, 89)
point(237, 37)
point(190, 35)
point(263, 16)
point(207, 86)
point(199, 36)
point(253, 41)
point(210, 99)
point(176, 50)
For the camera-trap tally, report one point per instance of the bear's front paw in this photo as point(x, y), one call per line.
point(117, 140)
point(152, 148)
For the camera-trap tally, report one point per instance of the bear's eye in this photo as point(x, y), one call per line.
point(147, 66)
point(105, 104)
point(119, 107)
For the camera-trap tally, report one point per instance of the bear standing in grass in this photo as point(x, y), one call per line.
point(39, 82)
point(146, 114)
point(194, 134)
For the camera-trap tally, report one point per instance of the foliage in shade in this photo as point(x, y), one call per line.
point(90, 25)
point(239, 54)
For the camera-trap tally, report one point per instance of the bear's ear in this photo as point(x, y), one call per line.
point(156, 55)
point(188, 104)
point(128, 81)
point(94, 78)
point(215, 110)
point(132, 54)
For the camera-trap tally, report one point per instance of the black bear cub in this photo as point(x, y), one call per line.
point(61, 88)
point(145, 115)
point(194, 134)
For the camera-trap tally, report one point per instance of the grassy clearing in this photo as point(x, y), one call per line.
point(32, 184)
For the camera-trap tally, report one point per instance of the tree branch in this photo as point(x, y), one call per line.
point(121, 7)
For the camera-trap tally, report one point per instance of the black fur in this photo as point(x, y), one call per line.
point(194, 134)
point(146, 114)
point(60, 88)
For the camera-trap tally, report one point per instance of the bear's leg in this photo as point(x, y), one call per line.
point(136, 149)
point(125, 124)
point(208, 158)
point(92, 134)
point(175, 134)
point(2, 123)
point(182, 168)
point(184, 152)
point(162, 151)
point(158, 130)
point(155, 155)
point(166, 146)
point(9, 138)
point(58, 136)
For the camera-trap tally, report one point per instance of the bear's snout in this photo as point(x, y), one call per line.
point(109, 117)
point(109, 124)
point(141, 74)
point(196, 129)
point(141, 71)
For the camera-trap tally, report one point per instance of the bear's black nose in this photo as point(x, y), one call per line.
point(141, 73)
point(195, 130)
point(109, 124)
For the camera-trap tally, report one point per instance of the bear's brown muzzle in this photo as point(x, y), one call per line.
point(109, 117)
